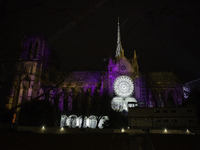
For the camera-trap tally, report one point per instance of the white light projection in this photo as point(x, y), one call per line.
point(71, 121)
point(186, 92)
point(63, 120)
point(123, 86)
point(74, 121)
point(92, 122)
point(131, 102)
point(79, 121)
point(118, 104)
point(101, 122)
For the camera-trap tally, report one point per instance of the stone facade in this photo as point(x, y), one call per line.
point(149, 90)
point(33, 62)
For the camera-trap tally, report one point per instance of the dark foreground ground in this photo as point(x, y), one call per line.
point(121, 141)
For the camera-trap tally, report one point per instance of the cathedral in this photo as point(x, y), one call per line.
point(122, 86)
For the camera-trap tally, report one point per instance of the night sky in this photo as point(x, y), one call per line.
point(83, 33)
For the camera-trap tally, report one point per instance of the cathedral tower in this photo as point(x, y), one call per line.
point(27, 79)
point(123, 79)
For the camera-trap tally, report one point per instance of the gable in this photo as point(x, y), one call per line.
point(124, 66)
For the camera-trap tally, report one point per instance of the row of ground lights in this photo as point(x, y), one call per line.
point(122, 130)
point(187, 130)
point(165, 130)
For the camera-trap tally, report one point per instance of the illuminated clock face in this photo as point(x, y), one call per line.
point(123, 86)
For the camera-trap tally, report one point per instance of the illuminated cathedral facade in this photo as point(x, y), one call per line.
point(122, 84)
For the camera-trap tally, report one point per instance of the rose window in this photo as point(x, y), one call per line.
point(123, 86)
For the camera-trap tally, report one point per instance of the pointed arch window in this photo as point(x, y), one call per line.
point(26, 86)
point(135, 69)
point(36, 50)
point(30, 50)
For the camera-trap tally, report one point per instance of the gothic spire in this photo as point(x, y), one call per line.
point(119, 45)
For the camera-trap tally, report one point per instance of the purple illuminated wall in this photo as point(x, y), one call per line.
point(35, 47)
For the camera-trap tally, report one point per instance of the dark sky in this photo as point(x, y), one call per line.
point(83, 33)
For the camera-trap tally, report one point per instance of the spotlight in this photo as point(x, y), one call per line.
point(122, 130)
point(61, 128)
point(165, 130)
point(43, 127)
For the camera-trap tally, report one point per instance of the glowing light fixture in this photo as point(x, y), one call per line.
point(43, 127)
point(122, 130)
point(61, 128)
point(165, 130)
point(187, 130)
